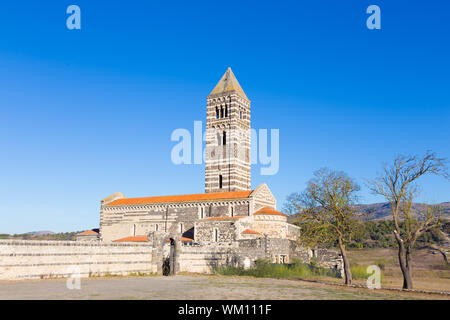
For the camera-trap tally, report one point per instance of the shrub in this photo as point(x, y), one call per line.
point(313, 262)
point(264, 269)
point(360, 272)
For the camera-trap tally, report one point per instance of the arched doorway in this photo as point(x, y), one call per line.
point(169, 260)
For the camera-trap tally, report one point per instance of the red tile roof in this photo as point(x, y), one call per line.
point(269, 211)
point(249, 231)
point(183, 198)
point(224, 218)
point(133, 239)
point(88, 232)
point(184, 239)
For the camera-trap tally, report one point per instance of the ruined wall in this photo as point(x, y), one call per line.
point(24, 259)
point(27, 259)
point(204, 258)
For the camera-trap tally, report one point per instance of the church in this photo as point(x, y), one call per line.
point(228, 195)
point(230, 221)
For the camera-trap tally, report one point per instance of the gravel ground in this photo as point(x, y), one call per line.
point(192, 287)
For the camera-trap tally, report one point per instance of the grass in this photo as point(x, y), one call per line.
point(264, 269)
point(429, 271)
point(360, 272)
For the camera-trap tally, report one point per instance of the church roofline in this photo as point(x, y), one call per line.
point(269, 211)
point(233, 195)
point(89, 232)
point(250, 231)
point(227, 84)
point(224, 218)
point(132, 239)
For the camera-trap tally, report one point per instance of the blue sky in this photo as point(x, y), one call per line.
point(86, 113)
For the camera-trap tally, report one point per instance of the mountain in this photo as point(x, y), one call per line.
point(40, 233)
point(383, 211)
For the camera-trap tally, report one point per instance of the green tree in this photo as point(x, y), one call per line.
point(326, 214)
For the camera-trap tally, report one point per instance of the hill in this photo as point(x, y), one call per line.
point(383, 211)
point(40, 235)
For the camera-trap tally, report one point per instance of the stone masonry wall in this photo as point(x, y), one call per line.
point(204, 258)
point(25, 259)
point(139, 220)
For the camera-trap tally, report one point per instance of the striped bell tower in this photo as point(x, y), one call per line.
point(227, 158)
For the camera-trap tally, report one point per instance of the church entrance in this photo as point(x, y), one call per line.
point(169, 262)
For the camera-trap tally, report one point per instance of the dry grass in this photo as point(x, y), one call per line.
point(429, 271)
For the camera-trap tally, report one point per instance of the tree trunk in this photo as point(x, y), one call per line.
point(404, 260)
point(347, 272)
point(444, 254)
point(407, 281)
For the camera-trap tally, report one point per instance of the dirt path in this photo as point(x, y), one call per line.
point(191, 287)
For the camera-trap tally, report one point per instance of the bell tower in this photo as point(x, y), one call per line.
point(227, 158)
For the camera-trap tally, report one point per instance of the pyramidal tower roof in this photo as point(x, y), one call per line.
point(227, 83)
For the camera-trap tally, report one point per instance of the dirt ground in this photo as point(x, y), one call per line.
point(429, 271)
point(192, 287)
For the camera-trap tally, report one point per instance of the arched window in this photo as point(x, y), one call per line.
point(220, 181)
point(221, 112)
point(226, 111)
point(224, 141)
point(217, 113)
point(219, 139)
point(215, 235)
point(240, 114)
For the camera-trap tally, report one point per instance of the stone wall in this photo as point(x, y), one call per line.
point(139, 220)
point(263, 197)
point(204, 258)
point(28, 259)
point(25, 259)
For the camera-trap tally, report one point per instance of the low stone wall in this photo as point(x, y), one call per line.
point(28, 259)
point(204, 258)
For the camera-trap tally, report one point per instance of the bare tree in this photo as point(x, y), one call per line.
point(397, 183)
point(442, 251)
point(326, 214)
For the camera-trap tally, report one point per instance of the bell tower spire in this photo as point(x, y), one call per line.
point(227, 159)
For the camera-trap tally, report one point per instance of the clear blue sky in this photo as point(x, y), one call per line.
point(87, 113)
